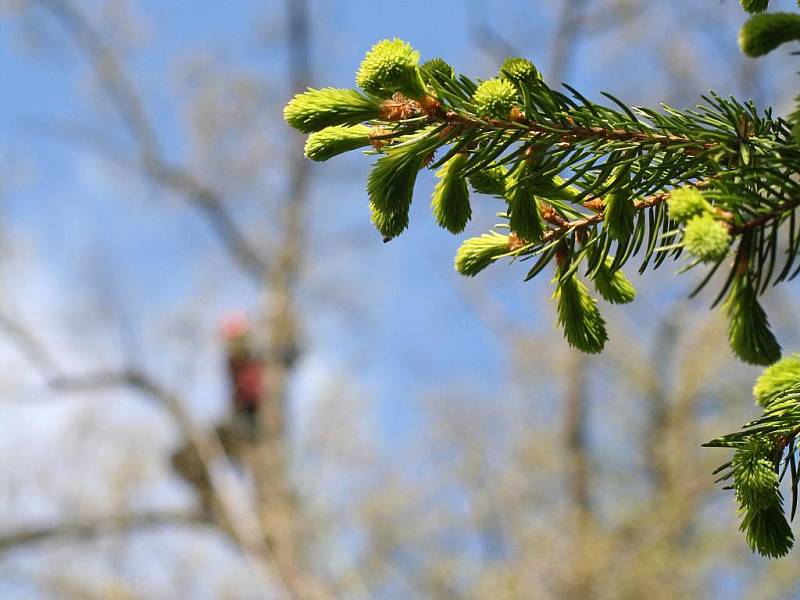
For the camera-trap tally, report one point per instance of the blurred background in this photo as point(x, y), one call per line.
point(216, 381)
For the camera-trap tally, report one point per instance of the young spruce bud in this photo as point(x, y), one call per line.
point(754, 476)
point(315, 110)
point(524, 215)
point(450, 201)
point(767, 531)
point(706, 238)
point(390, 66)
point(477, 253)
point(687, 203)
point(490, 181)
point(749, 333)
point(332, 141)
point(763, 33)
point(619, 209)
point(754, 6)
point(495, 98)
point(777, 379)
point(390, 184)
point(794, 119)
point(613, 286)
point(584, 327)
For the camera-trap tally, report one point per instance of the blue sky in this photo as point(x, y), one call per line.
point(68, 206)
point(414, 329)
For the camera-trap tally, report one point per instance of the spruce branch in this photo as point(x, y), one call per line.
point(593, 176)
point(588, 186)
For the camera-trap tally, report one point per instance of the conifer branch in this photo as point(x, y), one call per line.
point(717, 181)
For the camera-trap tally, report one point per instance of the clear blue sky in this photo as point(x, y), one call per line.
point(71, 206)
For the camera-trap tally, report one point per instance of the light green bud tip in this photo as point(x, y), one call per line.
point(687, 203)
point(749, 333)
point(763, 33)
point(450, 202)
point(754, 6)
point(578, 315)
point(477, 253)
point(495, 98)
point(332, 141)
point(519, 70)
point(706, 238)
point(777, 379)
point(490, 181)
point(524, 215)
point(390, 66)
point(619, 213)
point(314, 110)
point(754, 476)
point(767, 531)
point(613, 286)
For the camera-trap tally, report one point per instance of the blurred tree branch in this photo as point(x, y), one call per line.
point(278, 506)
point(130, 109)
point(229, 512)
point(100, 525)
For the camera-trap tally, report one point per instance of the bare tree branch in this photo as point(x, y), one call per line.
point(31, 348)
point(96, 526)
point(130, 109)
point(276, 528)
point(213, 209)
point(236, 516)
point(110, 74)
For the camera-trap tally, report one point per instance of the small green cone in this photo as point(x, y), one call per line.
point(520, 70)
point(687, 203)
point(438, 70)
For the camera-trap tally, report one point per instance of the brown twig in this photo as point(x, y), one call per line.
point(766, 217)
point(92, 527)
point(658, 198)
point(585, 222)
point(571, 132)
